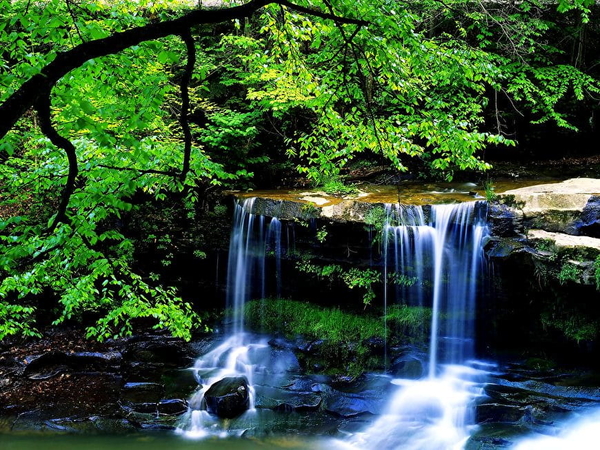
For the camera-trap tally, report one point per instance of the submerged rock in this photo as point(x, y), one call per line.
point(228, 398)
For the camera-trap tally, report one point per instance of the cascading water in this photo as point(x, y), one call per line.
point(432, 257)
point(438, 260)
point(253, 237)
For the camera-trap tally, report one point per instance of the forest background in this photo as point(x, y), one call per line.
point(122, 121)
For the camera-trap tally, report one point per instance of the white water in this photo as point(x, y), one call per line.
point(442, 252)
point(581, 432)
point(239, 354)
point(445, 253)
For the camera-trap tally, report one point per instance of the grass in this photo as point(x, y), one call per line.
point(345, 336)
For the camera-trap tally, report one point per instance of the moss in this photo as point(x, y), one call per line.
point(293, 318)
point(572, 324)
point(345, 339)
point(597, 272)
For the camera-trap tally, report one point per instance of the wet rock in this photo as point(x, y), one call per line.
point(498, 412)
point(50, 364)
point(162, 350)
point(365, 396)
point(282, 399)
point(282, 344)
point(504, 221)
point(589, 222)
point(503, 248)
point(558, 207)
point(228, 398)
point(409, 365)
point(376, 345)
point(140, 392)
point(311, 347)
point(174, 407)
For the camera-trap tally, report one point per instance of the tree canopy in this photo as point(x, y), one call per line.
point(104, 101)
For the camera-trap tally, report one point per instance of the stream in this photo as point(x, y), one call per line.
point(448, 400)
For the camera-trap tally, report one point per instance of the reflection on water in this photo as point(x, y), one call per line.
point(581, 432)
point(154, 441)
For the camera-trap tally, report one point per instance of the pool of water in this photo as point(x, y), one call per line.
point(151, 441)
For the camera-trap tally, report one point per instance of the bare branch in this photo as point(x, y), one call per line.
point(169, 173)
point(43, 107)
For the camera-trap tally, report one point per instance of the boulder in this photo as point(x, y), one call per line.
point(228, 398)
point(571, 206)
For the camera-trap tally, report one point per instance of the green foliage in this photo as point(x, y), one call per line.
point(546, 245)
point(376, 218)
point(344, 335)
point(409, 320)
point(335, 186)
point(488, 187)
point(322, 234)
point(292, 318)
point(569, 272)
point(597, 272)
point(572, 324)
point(419, 83)
point(353, 277)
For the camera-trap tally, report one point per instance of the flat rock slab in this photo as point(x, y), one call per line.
point(569, 195)
point(562, 240)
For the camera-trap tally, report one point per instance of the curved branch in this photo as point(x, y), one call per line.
point(30, 91)
point(43, 107)
point(185, 101)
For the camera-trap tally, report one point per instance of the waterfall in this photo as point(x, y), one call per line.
point(254, 239)
point(442, 257)
point(438, 253)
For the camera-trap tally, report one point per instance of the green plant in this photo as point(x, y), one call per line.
point(546, 245)
point(572, 324)
point(597, 272)
point(309, 211)
point(322, 234)
point(401, 279)
point(365, 279)
point(568, 272)
point(376, 218)
point(489, 190)
point(336, 186)
point(342, 334)
point(409, 321)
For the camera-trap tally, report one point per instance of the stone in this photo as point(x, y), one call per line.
point(286, 399)
point(174, 406)
point(571, 195)
point(556, 207)
point(142, 392)
point(228, 398)
point(565, 241)
point(162, 350)
point(504, 221)
point(589, 222)
point(48, 365)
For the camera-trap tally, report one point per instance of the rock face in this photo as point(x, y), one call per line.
point(568, 207)
point(228, 398)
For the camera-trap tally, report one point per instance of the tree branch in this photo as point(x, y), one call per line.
point(169, 173)
point(185, 101)
point(43, 107)
point(31, 90)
